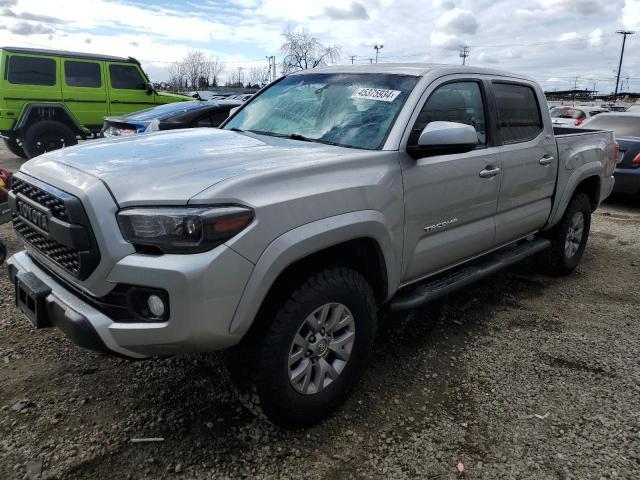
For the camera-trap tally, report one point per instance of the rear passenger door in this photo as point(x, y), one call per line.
point(128, 89)
point(449, 207)
point(529, 163)
point(30, 79)
point(84, 91)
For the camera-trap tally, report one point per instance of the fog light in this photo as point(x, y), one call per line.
point(156, 305)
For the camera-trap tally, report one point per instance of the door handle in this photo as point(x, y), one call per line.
point(545, 160)
point(489, 172)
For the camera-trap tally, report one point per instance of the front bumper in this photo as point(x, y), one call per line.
point(627, 181)
point(203, 296)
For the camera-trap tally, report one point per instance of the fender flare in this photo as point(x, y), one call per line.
point(588, 170)
point(28, 110)
point(305, 240)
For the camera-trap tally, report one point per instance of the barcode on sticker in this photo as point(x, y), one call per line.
point(379, 94)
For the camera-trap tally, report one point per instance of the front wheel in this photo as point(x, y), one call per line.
point(568, 238)
point(315, 348)
point(46, 136)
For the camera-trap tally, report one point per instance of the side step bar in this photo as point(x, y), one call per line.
point(431, 289)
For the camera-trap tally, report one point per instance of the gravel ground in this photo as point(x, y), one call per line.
point(521, 376)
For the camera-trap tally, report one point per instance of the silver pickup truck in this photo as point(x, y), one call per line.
point(331, 194)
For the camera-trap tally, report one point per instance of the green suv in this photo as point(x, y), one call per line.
point(50, 98)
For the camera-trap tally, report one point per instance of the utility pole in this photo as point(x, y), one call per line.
point(624, 34)
point(352, 57)
point(272, 63)
point(240, 75)
point(464, 53)
point(595, 92)
point(575, 87)
point(377, 48)
point(371, 60)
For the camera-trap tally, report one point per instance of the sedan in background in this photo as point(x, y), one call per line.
point(198, 113)
point(626, 127)
point(573, 116)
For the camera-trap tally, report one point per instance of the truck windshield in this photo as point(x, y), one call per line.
point(351, 110)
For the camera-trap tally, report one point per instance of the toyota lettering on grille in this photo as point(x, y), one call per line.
point(33, 215)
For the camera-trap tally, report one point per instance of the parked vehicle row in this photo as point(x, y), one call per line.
point(49, 98)
point(332, 194)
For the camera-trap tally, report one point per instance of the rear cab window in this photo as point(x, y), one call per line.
point(82, 74)
point(23, 70)
point(126, 77)
point(519, 117)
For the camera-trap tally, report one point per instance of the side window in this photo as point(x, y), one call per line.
point(454, 102)
point(519, 118)
point(82, 74)
point(126, 76)
point(32, 70)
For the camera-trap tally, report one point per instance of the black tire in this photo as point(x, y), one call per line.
point(13, 147)
point(558, 260)
point(278, 399)
point(46, 136)
point(3, 252)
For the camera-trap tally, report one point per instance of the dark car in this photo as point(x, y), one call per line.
point(626, 127)
point(197, 113)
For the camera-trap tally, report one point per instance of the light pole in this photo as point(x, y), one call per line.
point(377, 48)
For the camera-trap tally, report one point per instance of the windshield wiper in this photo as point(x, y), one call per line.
point(297, 136)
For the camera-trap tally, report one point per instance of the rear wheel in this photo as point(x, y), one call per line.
point(15, 148)
point(46, 136)
point(315, 348)
point(568, 238)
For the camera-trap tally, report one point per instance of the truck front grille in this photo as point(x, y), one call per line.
point(59, 230)
point(66, 257)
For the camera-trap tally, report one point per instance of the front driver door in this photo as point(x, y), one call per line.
point(450, 205)
point(128, 92)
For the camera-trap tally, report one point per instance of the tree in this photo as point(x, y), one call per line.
point(196, 71)
point(302, 51)
point(259, 75)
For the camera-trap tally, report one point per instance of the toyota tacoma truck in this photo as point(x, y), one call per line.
point(330, 195)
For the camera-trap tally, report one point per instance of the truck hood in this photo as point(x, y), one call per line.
point(170, 167)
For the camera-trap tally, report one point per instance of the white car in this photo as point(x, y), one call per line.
point(566, 116)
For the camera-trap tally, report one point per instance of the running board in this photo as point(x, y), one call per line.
point(431, 289)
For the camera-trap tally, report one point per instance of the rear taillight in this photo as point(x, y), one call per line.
point(578, 122)
point(636, 160)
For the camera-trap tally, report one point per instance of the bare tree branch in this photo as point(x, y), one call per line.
point(302, 51)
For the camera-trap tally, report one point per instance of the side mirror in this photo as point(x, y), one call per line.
point(440, 138)
point(150, 89)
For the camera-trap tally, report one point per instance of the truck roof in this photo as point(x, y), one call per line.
point(413, 69)
point(64, 53)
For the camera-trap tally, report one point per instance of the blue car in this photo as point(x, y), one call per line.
point(626, 127)
point(198, 113)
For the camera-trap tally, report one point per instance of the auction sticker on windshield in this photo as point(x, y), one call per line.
point(380, 94)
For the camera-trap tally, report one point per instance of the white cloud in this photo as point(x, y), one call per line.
point(445, 40)
point(458, 20)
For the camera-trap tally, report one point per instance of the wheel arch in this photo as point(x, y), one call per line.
point(35, 112)
point(586, 179)
point(353, 239)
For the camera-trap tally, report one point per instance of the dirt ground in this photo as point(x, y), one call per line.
point(520, 376)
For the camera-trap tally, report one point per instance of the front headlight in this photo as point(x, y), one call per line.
point(182, 229)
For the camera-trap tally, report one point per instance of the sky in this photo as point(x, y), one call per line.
point(560, 43)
